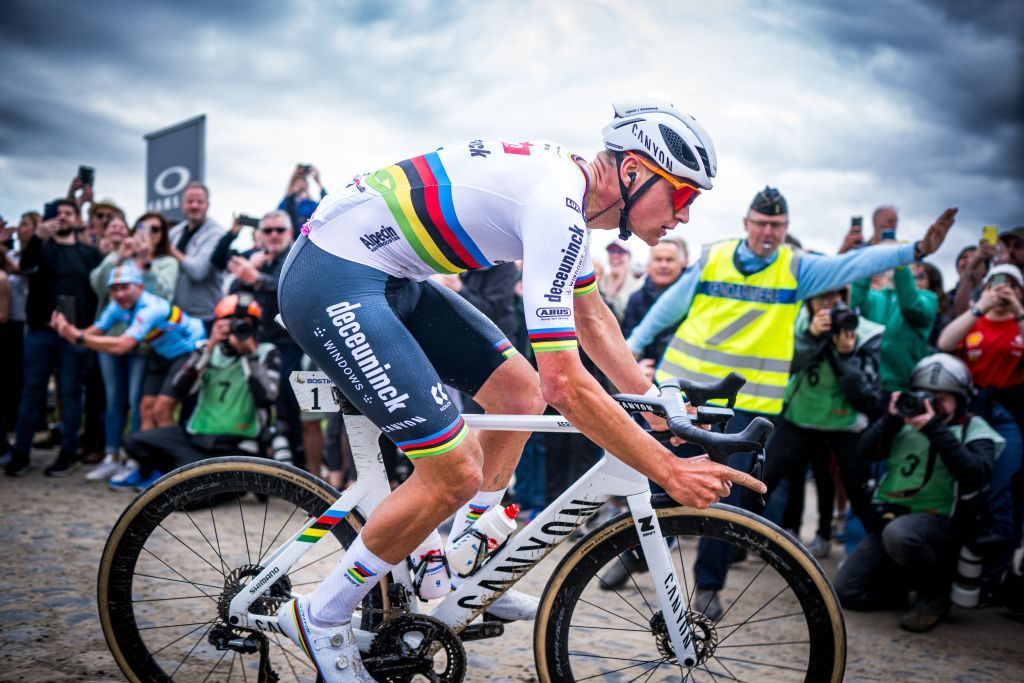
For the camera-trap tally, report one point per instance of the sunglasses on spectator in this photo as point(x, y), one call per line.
point(683, 193)
point(103, 215)
point(921, 276)
point(273, 231)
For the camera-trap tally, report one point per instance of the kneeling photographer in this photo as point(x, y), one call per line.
point(938, 457)
point(832, 393)
point(237, 380)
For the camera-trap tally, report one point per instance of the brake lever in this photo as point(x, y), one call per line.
point(758, 473)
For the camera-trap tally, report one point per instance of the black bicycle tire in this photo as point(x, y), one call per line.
point(827, 660)
point(141, 517)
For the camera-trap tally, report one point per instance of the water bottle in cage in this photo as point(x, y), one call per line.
point(467, 552)
point(430, 568)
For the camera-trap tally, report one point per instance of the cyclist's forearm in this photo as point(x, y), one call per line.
point(601, 338)
point(583, 402)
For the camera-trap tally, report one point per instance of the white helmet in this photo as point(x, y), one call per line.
point(943, 372)
point(673, 140)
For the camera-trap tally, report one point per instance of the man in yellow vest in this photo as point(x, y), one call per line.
point(735, 310)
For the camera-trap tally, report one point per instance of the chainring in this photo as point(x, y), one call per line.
point(407, 645)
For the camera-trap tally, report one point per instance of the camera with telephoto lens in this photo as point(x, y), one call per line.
point(242, 329)
point(911, 403)
point(843, 318)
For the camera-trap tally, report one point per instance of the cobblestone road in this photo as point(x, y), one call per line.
point(53, 533)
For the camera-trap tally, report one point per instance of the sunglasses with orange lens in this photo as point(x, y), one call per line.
point(683, 193)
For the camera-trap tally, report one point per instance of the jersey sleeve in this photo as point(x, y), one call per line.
point(555, 249)
point(586, 280)
point(108, 316)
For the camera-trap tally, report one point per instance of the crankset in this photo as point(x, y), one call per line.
point(412, 644)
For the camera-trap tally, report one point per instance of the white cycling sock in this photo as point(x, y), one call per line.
point(335, 599)
point(471, 511)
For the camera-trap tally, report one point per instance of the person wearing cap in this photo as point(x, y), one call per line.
point(235, 379)
point(938, 457)
point(619, 283)
point(989, 337)
point(738, 306)
point(170, 332)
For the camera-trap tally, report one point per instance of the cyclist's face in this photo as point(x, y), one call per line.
point(653, 215)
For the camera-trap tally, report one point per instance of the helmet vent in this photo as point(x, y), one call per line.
point(678, 147)
point(704, 158)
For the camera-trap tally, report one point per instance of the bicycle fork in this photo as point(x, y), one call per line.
point(671, 597)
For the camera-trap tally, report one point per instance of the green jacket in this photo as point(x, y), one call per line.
point(908, 314)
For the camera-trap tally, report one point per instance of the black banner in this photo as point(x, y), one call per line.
point(175, 156)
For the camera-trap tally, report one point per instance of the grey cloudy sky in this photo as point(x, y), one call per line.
point(843, 106)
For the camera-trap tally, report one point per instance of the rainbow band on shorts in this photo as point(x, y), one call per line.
point(585, 284)
point(505, 348)
point(437, 443)
point(553, 339)
point(322, 525)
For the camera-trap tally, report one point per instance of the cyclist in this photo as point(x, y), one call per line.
point(355, 295)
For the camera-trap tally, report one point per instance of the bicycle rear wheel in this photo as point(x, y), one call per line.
point(781, 620)
point(185, 546)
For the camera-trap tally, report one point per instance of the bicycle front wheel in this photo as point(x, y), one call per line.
point(599, 618)
point(188, 544)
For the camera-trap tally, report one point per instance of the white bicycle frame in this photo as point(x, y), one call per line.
point(608, 478)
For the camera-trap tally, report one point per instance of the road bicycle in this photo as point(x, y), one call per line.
point(196, 567)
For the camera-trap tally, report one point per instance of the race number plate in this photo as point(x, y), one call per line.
point(315, 392)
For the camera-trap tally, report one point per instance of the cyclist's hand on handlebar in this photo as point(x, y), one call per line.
point(699, 482)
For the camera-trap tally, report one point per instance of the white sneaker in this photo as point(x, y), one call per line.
point(820, 547)
point(514, 605)
point(333, 651)
point(123, 472)
point(105, 470)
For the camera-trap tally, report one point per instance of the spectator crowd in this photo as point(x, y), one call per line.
point(148, 345)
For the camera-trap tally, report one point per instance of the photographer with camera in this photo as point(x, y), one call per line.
point(832, 392)
point(235, 379)
point(938, 457)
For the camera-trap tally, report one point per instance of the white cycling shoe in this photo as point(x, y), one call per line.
point(514, 605)
point(333, 651)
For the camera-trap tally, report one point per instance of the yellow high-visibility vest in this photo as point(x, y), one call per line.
point(739, 322)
